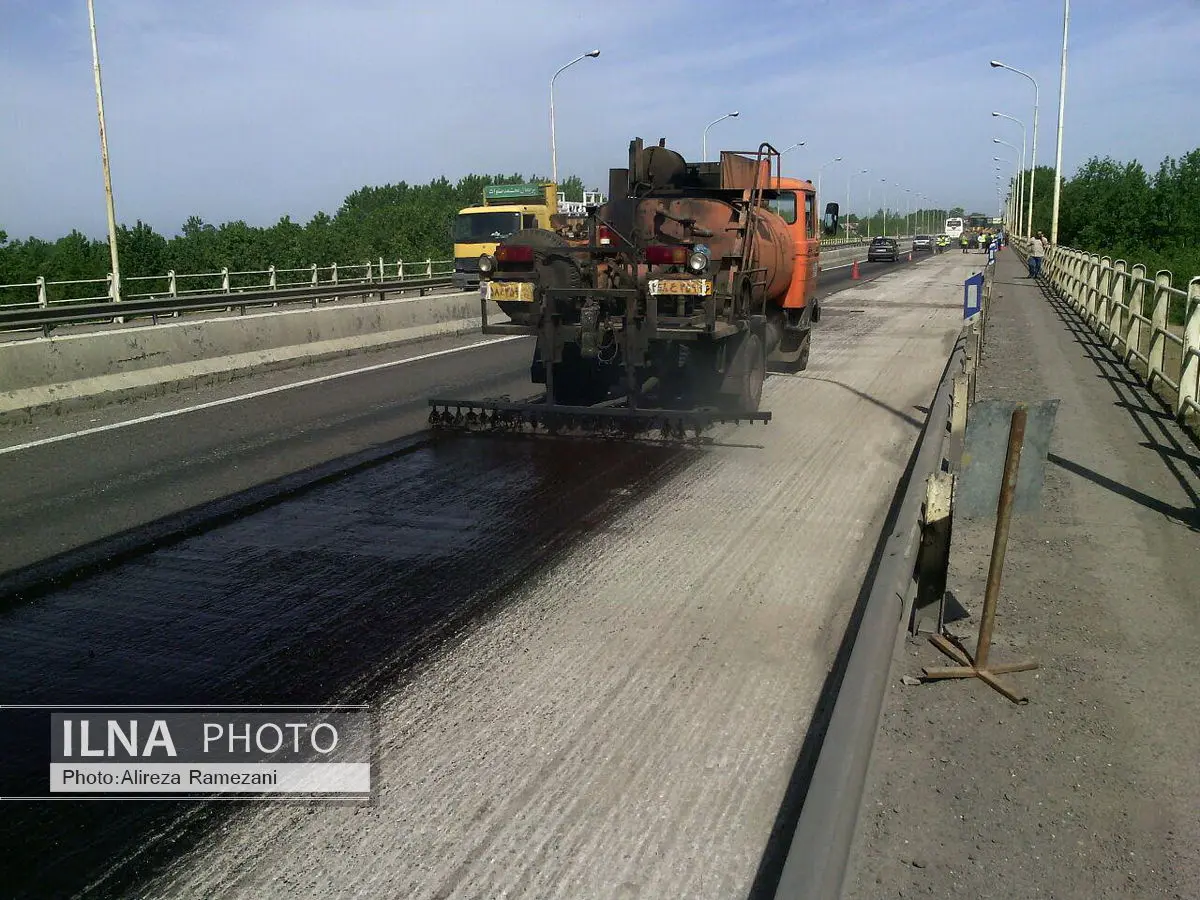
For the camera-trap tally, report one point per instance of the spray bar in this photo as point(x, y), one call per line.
point(504, 415)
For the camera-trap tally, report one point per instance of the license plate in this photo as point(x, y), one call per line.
point(691, 287)
point(508, 290)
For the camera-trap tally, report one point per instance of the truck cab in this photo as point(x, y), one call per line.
point(507, 209)
point(795, 201)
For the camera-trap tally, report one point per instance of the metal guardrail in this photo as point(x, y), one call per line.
point(45, 318)
point(1113, 298)
point(174, 284)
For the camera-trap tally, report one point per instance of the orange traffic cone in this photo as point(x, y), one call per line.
point(854, 271)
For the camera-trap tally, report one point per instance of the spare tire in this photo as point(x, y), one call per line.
point(553, 268)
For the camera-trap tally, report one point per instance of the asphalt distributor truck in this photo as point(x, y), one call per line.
point(693, 277)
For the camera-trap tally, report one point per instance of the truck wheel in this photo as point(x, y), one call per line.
point(553, 269)
point(743, 382)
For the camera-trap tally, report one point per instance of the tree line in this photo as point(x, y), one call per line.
point(1118, 209)
point(1109, 207)
point(401, 221)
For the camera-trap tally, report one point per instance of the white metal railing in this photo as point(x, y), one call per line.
point(1131, 311)
point(173, 284)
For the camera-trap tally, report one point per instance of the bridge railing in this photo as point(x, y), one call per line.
point(45, 293)
point(1143, 318)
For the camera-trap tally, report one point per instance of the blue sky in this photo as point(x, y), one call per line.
point(255, 109)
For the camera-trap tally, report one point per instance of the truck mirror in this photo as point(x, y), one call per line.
point(831, 218)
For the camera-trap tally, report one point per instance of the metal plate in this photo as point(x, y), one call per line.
point(986, 445)
point(507, 290)
point(690, 287)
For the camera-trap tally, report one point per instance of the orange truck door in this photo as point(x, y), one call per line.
point(806, 248)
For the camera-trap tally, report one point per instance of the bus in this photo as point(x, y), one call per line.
point(954, 227)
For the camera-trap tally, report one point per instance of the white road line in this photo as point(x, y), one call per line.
point(252, 395)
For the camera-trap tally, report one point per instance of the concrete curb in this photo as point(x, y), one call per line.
point(819, 851)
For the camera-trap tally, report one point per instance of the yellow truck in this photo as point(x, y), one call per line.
point(507, 209)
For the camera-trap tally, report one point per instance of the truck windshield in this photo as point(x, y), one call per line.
point(482, 227)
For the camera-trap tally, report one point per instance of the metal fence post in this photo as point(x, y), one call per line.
point(1117, 311)
point(1158, 324)
point(314, 274)
point(1081, 275)
point(1103, 296)
point(1133, 339)
point(1189, 376)
point(1093, 289)
point(43, 297)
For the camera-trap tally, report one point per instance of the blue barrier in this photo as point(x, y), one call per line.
point(970, 308)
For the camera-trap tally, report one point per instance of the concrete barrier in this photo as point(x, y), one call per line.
point(48, 376)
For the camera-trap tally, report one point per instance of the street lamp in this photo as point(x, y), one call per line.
point(1062, 99)
point(553, 149)
point(820, 169)
point(793, 147)
point(1021, 177)
point(883, 181)
point(996, 64)
point(704, 138)
point(1013, 148)
point(849, 179)
point(108, 192)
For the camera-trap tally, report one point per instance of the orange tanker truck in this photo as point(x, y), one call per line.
point(693, 277)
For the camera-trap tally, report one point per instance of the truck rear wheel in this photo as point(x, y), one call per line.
point(551, 268)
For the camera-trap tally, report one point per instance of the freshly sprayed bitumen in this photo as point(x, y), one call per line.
point(315, 599)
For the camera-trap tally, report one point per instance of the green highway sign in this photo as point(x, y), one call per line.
point(513, 191)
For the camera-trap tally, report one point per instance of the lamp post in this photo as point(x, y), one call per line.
point(1016, 152)
point(1021, 177)
point(1013, 181)
point(849, 179)
point(1016, 155)
point(908, 210)
point(108, 192)
point(883, 181)
point(996, 64)
point(1062, 99)
point(791, 148)
point(553, 149)
point(704, 138)
point(820, 169)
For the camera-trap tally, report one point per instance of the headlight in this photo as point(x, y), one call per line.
point(486, 263)
point(698, 261)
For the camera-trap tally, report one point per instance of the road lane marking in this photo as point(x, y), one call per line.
point(252, 395)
